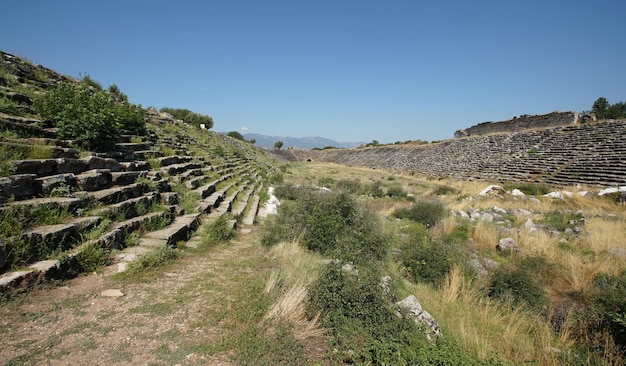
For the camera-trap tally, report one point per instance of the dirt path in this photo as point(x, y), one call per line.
point(174, 315)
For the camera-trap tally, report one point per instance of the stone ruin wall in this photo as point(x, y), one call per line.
point(520, 124)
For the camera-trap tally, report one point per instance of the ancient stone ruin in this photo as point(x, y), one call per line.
point(520, 124)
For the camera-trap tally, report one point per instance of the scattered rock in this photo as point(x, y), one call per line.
point(517, 193)
point(507, 245)
point(492, 190)
point(618, 252)
point(412, 309)
point(112, 293)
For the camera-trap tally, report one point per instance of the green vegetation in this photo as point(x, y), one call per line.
point(236, 135)
point(604, 110)
point(187, 116)
point(89, 115)
point(219, 231)
point(154, 258)
point(278, 145)
point(425, 212)
point(332, 224)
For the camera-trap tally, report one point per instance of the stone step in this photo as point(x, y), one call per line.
point(136, 165)
point(117, 194)
point(252, 211)
point(240, 206)
point(41, 241)
point(133, 146)
point(70, 203)
point(129, 207)
point(55, 151)
point(176, 169)
point(147, 154)
point(125, 178)
point(173, 160)
point(179, 230)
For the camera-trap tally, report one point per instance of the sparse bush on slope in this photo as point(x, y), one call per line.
point(89, 115)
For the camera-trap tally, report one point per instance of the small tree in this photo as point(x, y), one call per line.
point(600, 107)
point(236, 135)
point(278, 145)
point(252, 141)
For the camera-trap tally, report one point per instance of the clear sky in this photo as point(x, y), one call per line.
point(350, 70)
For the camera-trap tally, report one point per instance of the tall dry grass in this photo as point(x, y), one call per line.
point(487, 328)
point(296, 270)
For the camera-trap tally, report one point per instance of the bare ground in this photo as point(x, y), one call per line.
point(177, 314)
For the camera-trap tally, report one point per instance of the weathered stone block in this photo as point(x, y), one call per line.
point(39, 167)
point(17, 186)
point(94, 180)
point(46, 185)
point(96, 162)
point(68, 165)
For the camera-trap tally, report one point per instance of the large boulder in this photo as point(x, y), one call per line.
point(411, 308)
point(94, 180)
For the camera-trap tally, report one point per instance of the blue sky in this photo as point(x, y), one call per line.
point(344, 69)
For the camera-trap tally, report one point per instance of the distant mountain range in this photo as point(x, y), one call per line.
point(301, 142)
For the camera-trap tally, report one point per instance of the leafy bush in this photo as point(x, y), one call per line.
point(88, 115)
point(91, 258)
point(427, 260)
point(608, 299)
point(332, 224)
point(352, 306)
point(374, 189)
point(426, 212)
point(517, 283)
point(363, 328)
point(396, 191)
point(190, 117)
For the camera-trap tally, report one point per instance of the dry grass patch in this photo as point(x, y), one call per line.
point(483, 235)
point(485, 327)
point(296, 270)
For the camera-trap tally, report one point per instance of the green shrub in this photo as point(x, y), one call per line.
point(396, 191)
point(517, 283)
point(363, 328)
point(608, 299)
point(88, 115)
point(426, 212)
point(190, 117)
point(325, 182)
point(374, 190)
point(427, 260)
point(332, 224)
point(562, 220)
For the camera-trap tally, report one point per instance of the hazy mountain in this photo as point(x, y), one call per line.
point(301, 142)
